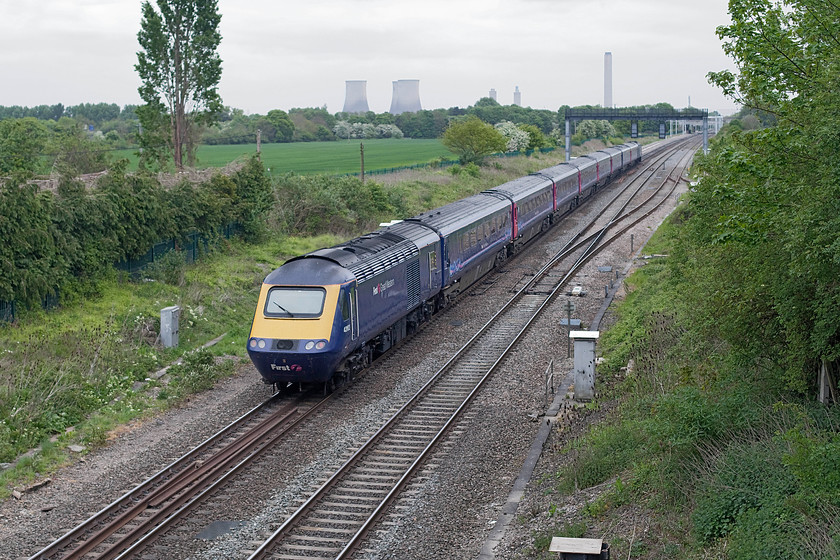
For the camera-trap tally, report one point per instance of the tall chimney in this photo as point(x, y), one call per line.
point(608, 97)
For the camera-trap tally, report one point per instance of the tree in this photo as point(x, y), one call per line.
point(769, 199)
point(283, 125)
point(472, 140)
point(517, 139)
point(77, 151)
point(536, 138)
point(180, 70)
point(21, 143)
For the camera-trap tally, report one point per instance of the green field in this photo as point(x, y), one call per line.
point(322, 157)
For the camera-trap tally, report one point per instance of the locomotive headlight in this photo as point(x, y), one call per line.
point(253, 343)
point(261, 343)
point(310, 345)
point(320, 344)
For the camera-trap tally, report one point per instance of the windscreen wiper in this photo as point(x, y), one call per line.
point(283, 309)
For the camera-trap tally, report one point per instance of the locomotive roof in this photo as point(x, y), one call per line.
point(523, 186)
point(304, 271)
point(361, 258)
point(462, 213)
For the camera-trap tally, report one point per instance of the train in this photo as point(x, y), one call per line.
point(324, 316)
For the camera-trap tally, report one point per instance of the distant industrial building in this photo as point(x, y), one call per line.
point(493, 94)
point(608, 93)
point(517, 97)
point(406, 97)
point(355, 98)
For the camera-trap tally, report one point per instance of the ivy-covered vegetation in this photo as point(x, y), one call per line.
point(68, 240)
point(719, 434)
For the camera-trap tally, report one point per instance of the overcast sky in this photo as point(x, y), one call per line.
point(284, 54)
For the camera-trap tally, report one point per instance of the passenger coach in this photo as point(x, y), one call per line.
point(328, 313)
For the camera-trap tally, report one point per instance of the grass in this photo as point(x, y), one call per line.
point(87, 365)
point(721, 467)
point(78, 367)
point(74, 374)
point(333, 158)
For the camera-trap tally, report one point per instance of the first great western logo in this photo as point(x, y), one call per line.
point(380, 288)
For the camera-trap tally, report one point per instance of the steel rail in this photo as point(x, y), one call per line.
point(589, 253)
point(180, 508)
point(290, 522)
point(179, 475)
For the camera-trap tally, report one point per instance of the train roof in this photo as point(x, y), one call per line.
point(560, 171)
point(583, 162)
point(522, 187)
point(365, 256)
point(306, 271)
point(422, 235)
point(462, 213)
point(599, 156)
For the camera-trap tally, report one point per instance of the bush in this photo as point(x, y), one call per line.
point(169, 269)
point(316, 204)
point(744, 493)
point(198, 371)
point(605, 451)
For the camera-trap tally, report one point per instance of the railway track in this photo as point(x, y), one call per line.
point(335, 519)
point(146, 510)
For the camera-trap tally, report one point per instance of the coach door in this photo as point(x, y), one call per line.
point(354, 312)
point(349, 314)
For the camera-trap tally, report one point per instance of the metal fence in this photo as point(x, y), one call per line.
point(191, 247)
point(7, 311)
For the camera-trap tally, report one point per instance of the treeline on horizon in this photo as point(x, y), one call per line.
point(118, 126)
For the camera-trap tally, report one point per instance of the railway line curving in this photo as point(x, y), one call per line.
point(182, 541)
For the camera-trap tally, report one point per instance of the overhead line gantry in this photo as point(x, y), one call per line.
point(634, 116)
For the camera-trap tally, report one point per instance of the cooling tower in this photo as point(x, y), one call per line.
point(608, 100)
point(355, 99)
point(517, 97)
point(406, 97)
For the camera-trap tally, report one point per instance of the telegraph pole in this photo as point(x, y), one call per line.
point(362, 152)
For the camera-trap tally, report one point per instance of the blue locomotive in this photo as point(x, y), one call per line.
point(326, 315)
